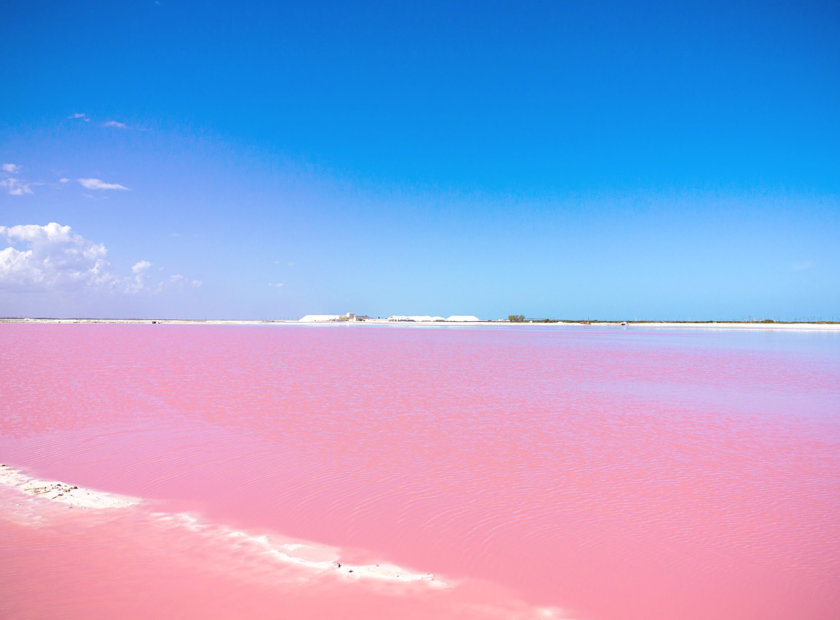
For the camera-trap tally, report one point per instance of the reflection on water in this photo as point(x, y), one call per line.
point(611, 473)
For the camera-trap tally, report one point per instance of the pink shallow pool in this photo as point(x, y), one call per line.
point(381, 472)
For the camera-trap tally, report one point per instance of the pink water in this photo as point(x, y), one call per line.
point(580, 472)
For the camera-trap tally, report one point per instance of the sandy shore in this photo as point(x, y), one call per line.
point(705, 325)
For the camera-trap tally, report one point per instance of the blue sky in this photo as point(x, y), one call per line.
point(561, 159)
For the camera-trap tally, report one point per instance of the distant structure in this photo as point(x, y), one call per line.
point(333, 318)
point(350, 317)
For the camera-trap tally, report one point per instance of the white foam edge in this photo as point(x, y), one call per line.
point(70, 494)
point(289, 553)
point(294, 553)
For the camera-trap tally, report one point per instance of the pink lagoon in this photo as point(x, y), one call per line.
point(418, 472)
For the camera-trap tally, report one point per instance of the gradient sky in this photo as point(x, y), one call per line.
point(554, 159)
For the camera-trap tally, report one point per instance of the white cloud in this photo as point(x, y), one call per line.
point(141, 266)
point(176, 282)
point(100, 184)
point(116, 124)
point(275, 284)
point(54, 258)
point(14, 187)
point(64, 180)
point(81, 116)
point(141, 277)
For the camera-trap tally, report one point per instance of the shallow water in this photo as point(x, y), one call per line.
point(535, 471)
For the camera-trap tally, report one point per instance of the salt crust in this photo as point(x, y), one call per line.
point(311, 556)
point(72, 495)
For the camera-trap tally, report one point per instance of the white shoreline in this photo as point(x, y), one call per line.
point(722, 325)
point(72, 495)
point(314, 557)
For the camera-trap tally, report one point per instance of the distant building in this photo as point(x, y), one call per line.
point(333, 318)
